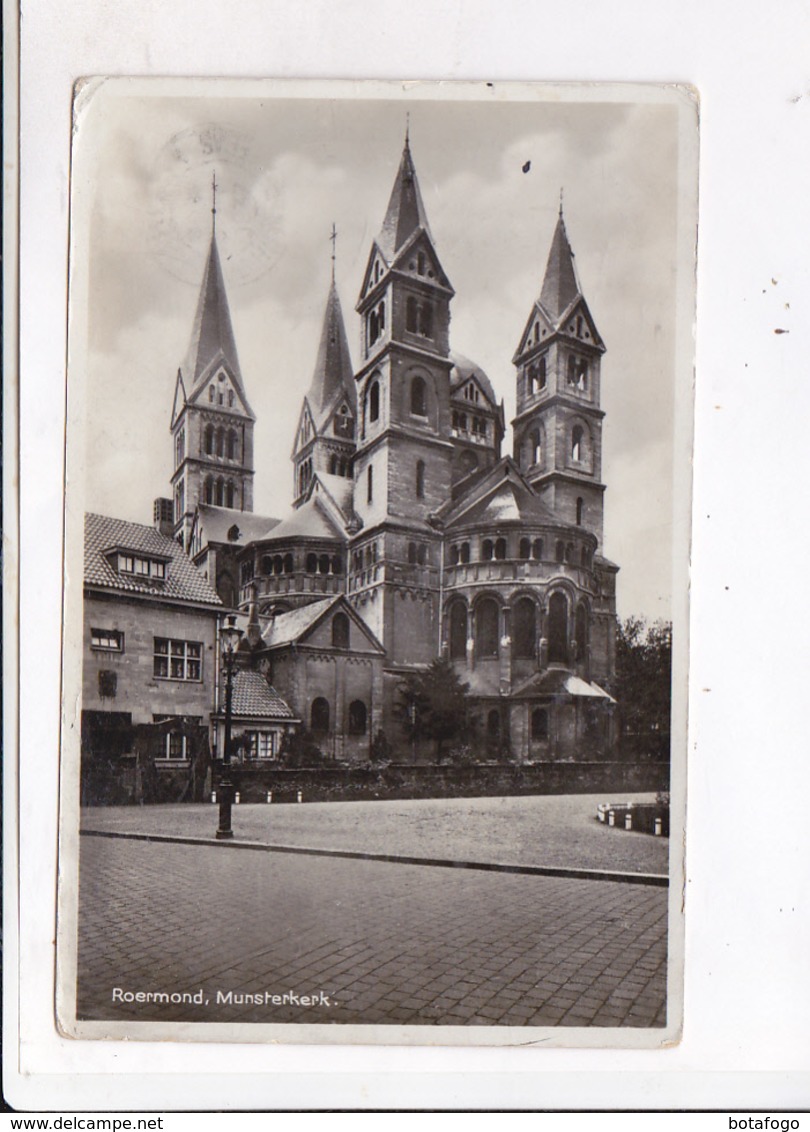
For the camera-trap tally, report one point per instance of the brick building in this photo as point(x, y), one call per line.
point(406, 518)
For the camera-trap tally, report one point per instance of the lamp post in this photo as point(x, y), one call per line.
point(230, 637)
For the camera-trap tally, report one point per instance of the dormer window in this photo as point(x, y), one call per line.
point(141, 567)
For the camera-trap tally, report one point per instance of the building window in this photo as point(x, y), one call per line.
point(232, 442)
point(537, 549)
point(180, 446)
point(577, 439)
point(111, 640)
point(141, 567)
point(211, 393)
point(176, 745)
point(559, 552)
point(426, 321)
point(418, 397)
point(246, 571)
point(340, 631)
point(107, 685)
point(540, 724)
point(464, 553)
point(454, 555)
point(535, 448)
point(458, 631)
point(374, 401)
point(411, 314)
point(558, 629)
point(500, 548)
point(420, 263)
point(412, 553)
point(358, 717)
point(486, 628)
point(312, 564)
point(420, 479)
point(319, 715)
point(422, 554)
point(487, 550)
point(177, 660)
point(524, 629)
point(260, 744)
point(580, 506)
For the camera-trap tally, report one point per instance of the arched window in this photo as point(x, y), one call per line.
point(230, 494)
point(337, 564)
point(288, 564)
point(220, 442)
point(220, 492)
point(426, 321)
point(535, 449)
point(524, 629)
point(323, 564)
point(230, 398)
point(422, 554)
point(319, 716)
point(464, 553)
point(486, 628)
point(209, 439)
point(580, 506)
point(373, 328)
point(559, 551)
point(267, 564)
point(278, 564)
point(500, 548)
point(525, 550)
point(581, 631)
point(569, 553)
point(209, 489)
point(381, 312)
point(418, 398)
point(180, 444)
point(420, 479)
point(577, 445)
point(312, 563)
point(412, 553)
point(487, 550)
point(374, 401)
point(358, 717)
point(558, 629)
point(540, 724)
point(210, 393)
point(411, 314)
point(340, 631)
point(369, 484)
point(232, 444)
point(420, 263)
point(333, 465)
point(541, 373)
point(454, 555)
point(458, 631)
point(537, 549)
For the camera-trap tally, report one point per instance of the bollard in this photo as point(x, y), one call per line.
point(300, 797)
point(628, 820)
point(269, 795)
point(659, 827)
point(611, 818)
point(237, 798)
point(214, 796)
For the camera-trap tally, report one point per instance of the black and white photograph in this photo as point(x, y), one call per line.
point(378, 464)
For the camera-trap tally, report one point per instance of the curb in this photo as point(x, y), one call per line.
point(655, 880)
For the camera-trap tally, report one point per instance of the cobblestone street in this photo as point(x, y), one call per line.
point(383, 942)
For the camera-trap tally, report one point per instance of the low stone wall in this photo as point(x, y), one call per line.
point(323, 784)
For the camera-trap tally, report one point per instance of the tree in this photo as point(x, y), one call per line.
point(434, 704)
point(643, 682)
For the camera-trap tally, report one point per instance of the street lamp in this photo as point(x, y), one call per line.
point(230, 636)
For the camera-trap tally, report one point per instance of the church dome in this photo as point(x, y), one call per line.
point(463, 369)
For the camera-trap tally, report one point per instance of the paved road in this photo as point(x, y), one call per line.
point(540, 830)
point(382, 942)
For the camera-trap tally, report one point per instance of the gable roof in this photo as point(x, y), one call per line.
point(183, 582)
point(219, 521)
point(502, 495)
point(285, 628)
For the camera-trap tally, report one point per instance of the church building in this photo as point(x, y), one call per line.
point(410, 535)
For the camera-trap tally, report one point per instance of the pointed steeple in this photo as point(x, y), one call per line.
point(560, 285)
point(333, 368)
point(406, 212)
point(212, 334)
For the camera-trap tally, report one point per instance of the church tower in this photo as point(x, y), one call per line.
point(324, 439)
point(403, 462)
point(558, 426)
point(212, 422)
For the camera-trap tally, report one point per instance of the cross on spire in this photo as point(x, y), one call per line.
point(561, 200)
point(333, 239)
point(214, 202)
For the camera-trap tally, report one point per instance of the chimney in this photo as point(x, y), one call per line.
point(254, 631)
point(163, 517)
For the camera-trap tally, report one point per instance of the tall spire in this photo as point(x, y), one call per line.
point(405, 212)
point(212, 334)
point(333, 368)
point(560, 284)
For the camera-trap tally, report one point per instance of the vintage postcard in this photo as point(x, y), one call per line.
point(377, 534)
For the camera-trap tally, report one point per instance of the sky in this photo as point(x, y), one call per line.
point(286, 170)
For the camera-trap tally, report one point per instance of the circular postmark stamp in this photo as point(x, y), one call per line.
point(205, 176)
